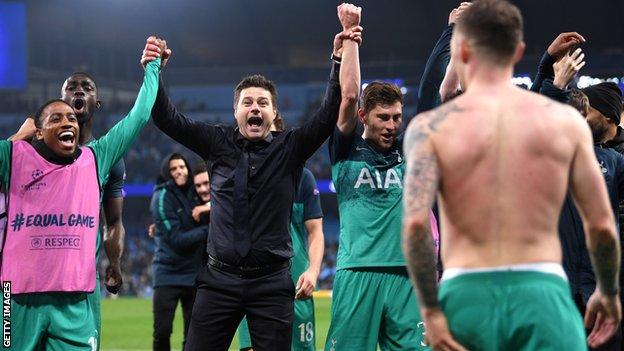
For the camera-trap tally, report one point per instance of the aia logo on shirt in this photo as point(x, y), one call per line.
point(36, 183)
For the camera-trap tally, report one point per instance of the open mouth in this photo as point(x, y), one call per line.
point(79, 105)
point(67, 138)
point(387, 136)
point(254, 121)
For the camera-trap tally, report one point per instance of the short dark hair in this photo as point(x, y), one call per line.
point(257, 81)
point(177, 156)
point(494, 26)
point(579, 101)
point(39, 113)
point(199, 168)
point(81, 73)
point(379, 93)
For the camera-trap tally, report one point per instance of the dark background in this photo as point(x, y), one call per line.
point(216, 42)
point(106, 37)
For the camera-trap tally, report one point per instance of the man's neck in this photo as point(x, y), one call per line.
point(86, 131)
point(47, 153)
point(374, 144)
point(484, 77)
point(268, 137)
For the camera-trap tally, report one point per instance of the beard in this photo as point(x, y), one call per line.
point(599, 131)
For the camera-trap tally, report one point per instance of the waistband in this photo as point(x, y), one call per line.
point(247, 272)
point(540, 267)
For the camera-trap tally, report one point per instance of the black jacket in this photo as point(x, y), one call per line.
point(576, 261)
point(180, 241)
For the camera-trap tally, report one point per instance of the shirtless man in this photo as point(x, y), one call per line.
point(501, 159)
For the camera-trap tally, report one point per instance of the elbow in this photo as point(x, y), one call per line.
point(415, 225)
point(603, 231)
point(349, 96)
point(445, 93)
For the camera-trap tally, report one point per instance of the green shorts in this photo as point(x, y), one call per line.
point(304, 335)
point(512, 310)
point(374, 306)
point(53, 322)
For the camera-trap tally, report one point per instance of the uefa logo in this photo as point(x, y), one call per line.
point(35, 243)
point(37, 173)
point(36, 183)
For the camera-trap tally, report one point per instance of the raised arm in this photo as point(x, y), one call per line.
point(111, 147)
point(436, 67)
point(26, 130)
point(450, 85)
point(565, 69)
point(313, 133)
point(422, 179)
point(195, 135)
point(350, 79)
point(559, 47)
point(590, 195)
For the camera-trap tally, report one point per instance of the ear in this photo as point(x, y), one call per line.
point(361, 115)
point(38, 134)
point(519, 52)
point(465, 52)
point(98, 104)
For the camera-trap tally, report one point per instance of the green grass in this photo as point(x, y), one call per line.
point(127, 325)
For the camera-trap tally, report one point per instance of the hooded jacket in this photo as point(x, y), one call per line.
point(180, 241)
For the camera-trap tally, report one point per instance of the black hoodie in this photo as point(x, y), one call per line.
point(180, 241)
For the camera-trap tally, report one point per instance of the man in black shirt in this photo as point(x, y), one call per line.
point(253, 176)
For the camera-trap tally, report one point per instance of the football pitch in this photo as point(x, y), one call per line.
point(127, 325)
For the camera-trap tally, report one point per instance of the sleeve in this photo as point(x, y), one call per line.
point(433, 75)
point(544, 70)
point(111, 147)
point(340, 144)
point(549, 89)
point(199, 137)
point(5, 161)
point(311, 135)
point(311, 196)
point(169, 226)
point(620, 194)
point(620, 175)
point(116, 179)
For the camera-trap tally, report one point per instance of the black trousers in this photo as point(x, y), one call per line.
point(164, 305)
point(223, 299)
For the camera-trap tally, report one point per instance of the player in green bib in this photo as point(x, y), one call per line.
point(306, 231)
point(373, 301)
point(51, 320)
